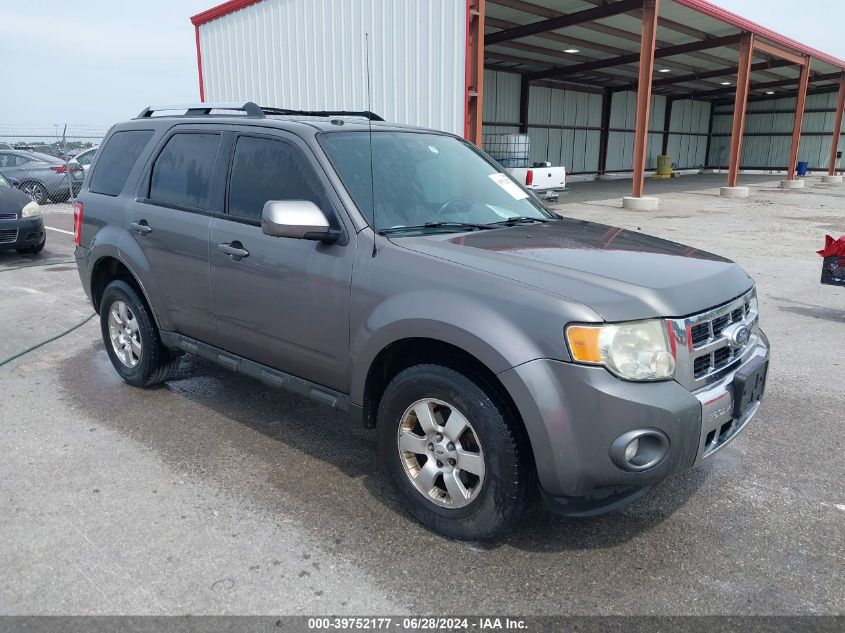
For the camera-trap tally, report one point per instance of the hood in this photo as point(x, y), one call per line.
point(619, 274)
point(12, 200)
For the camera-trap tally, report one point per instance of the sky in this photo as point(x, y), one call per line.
point(97, 62)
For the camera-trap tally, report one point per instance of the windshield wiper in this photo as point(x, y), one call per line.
point(435, 225)
point(520, 219)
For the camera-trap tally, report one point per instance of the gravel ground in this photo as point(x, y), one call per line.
point(215, 495)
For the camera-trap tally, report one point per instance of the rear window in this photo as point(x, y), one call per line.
point(119, 155)
point(183, 171)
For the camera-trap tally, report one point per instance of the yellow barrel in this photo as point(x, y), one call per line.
point(664, 165)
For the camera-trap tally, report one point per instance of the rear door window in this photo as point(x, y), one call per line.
point(183, 171)
point(119, 155)
point(267, 169)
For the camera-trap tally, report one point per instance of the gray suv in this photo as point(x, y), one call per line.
point(400, 275)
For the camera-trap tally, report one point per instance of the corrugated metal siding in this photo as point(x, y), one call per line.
point(564, 125)
point(310, 54)
point(768, 132)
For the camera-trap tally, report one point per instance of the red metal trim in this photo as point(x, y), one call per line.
point(466, 71)
point(837, 127)
point(220, 10)
point(723, 15)
point(199, 63)
point(743, 78)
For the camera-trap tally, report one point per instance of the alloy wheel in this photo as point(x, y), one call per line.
point(441, 453)
point(124, 334)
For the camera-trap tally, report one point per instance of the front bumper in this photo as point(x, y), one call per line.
point(573, 413)
point(22, 232)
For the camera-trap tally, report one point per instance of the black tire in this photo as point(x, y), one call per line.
point(32, 250)
point(509, 472)
point(156, 363)
point(36, 191)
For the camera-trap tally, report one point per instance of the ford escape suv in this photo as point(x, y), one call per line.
point(400, 275)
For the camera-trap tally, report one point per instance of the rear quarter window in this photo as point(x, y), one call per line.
point(117, 158)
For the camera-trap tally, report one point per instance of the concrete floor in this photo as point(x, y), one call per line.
point(215, 495)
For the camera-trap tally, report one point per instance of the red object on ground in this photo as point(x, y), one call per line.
point(832, 247)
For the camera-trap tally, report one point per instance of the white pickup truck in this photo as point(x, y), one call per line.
point(512, 152)
point(542, 178)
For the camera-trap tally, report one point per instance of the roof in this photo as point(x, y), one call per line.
point(696, 51)
point(696, 54)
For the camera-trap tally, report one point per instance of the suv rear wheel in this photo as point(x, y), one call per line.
point(456, 456)
point(131, 338)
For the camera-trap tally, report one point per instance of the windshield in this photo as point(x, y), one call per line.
point(424, 181)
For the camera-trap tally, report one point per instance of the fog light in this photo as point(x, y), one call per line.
point(640, 449)
point(631, 450)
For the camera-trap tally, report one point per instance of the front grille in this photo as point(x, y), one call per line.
point(8, 235)
point(33, 236)
point(706, 352)
point(8, 216)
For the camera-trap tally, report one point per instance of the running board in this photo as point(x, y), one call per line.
point(267, 375)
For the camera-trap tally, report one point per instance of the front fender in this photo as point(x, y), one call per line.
point(472, 326)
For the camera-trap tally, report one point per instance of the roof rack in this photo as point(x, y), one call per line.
point(252, 110)
point(195, 109)
point(372, 116)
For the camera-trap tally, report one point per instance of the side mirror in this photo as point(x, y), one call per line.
point(299, 219)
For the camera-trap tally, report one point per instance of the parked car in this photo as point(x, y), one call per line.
point(84, 158)
point(21, 224)
point(42, 177)
point(402, 276)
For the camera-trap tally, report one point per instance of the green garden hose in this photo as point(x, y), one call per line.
point(49, 340)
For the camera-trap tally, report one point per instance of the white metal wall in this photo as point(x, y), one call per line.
point(768, 132)
point(310, 54)
point(551, 111)
point(563, 125)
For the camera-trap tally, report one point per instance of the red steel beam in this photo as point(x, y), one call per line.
point(800, 100)
point(647, 41)
point(777, 51)
point(474, 74)
point(746, 48)
point(837, 127)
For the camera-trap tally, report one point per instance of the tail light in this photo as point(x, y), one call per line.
point(60, 169)
point(529, 177)
point(77, 222)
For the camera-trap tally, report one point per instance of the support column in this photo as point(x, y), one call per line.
point(647, 40)
point(524, 96)
point(709, 135)
point(604, 129)
point(474, 71)
point(837, 132)
point(743, 75)
point(800, 100)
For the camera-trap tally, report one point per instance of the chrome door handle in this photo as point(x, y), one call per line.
point(234, 250)
point(141, 227)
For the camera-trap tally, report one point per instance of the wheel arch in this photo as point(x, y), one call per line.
point(401, 353)
point(110, 266)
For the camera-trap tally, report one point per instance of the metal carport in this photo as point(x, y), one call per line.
point(676, 49)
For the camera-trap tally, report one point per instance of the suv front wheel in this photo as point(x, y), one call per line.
point(458, 458)
point(131, 338)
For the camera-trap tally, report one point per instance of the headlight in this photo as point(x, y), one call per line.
point(31, 210)
point(638, 350)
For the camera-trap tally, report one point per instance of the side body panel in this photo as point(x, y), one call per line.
point(286, 304)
